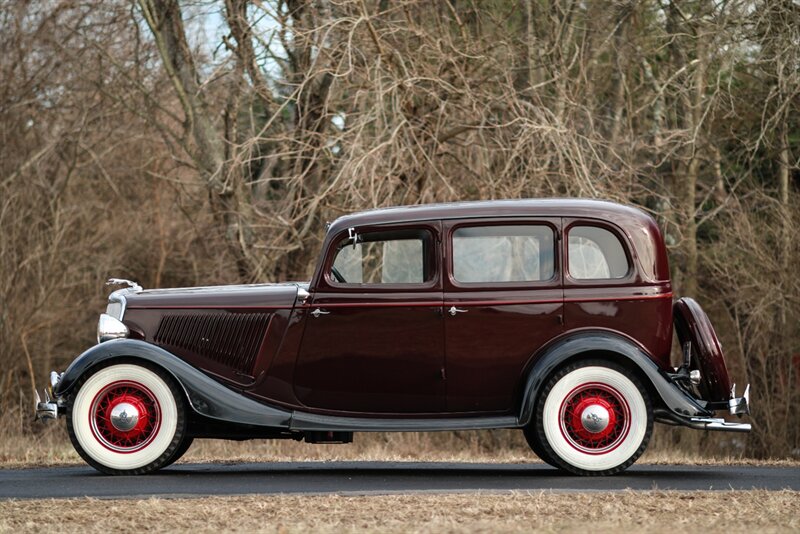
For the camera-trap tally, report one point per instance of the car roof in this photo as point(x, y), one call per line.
point(625, 216)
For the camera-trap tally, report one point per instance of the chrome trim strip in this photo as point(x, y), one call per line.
point(403, 304)
point(119, 295)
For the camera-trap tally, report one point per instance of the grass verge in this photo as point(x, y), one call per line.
point(52, 447)
point(730, 512)
point(23, 444)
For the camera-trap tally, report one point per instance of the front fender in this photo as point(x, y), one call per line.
point(615, 348)
point(205, 395)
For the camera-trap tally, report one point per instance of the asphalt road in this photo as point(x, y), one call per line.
point(377, 478)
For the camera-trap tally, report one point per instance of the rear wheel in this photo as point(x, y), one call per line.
point(126, 419)
point(593, 418)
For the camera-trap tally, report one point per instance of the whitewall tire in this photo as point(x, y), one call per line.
point(127, 419)
point(593, 418)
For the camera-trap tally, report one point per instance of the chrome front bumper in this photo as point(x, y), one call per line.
point(50, 407)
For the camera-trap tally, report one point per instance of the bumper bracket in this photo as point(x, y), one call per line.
point(48, 409)
point(741, 405)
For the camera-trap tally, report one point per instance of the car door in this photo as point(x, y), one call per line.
point(503, 300)
point(373, 341)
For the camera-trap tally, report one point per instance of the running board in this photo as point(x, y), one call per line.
point(306, 422)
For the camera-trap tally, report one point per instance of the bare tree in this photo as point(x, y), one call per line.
point(131, 146)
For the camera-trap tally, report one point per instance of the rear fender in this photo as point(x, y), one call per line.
point(603, 344)
point(205, 395)
point(693, 326)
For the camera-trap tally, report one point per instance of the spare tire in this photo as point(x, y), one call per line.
point(692, 324)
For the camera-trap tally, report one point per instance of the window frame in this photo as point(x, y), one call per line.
point(627, 249)
point(431, 255)
point(554, 226)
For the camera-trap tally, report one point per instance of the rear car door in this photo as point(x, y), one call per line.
point(503, 300)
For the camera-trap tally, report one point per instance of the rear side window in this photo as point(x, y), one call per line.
point(399, 257)
point(596, 254)
point(518, 253)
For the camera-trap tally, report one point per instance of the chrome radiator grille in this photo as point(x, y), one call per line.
point(231, 339)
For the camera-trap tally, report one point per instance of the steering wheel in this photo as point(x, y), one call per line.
point(336, 274)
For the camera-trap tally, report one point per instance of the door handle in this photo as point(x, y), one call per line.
point(318, 312)
point(453, 311)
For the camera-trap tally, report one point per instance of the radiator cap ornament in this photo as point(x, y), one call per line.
point(119, 281)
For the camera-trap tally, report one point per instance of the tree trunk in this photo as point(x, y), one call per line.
point(534, 60)
point(784, 163)
point(202, 140)
point(695, 114)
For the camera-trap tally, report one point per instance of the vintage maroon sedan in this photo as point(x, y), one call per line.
point(551, 316)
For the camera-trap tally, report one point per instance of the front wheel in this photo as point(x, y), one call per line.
point(127, 419)
point(593, 418)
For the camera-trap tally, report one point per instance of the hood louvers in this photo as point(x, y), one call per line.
point(231, 339)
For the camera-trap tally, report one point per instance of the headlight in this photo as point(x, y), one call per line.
point(110, 328)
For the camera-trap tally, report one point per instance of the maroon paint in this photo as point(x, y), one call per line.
point(489, 345)
point(692, 324)
point(380, 349)
point(622, 304)
point(372, 359)
point(394, 350)
point(254, 296)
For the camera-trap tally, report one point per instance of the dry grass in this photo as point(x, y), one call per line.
point(49, 445)
point(735, 511)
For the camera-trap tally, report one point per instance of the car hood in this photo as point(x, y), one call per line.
point(234, 296)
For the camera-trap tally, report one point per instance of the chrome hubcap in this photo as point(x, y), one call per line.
point(594, 418)
point(124, 416)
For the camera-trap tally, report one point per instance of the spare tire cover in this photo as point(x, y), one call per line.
point(692, 324)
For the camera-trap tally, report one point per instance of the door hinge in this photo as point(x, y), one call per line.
point(443, 373)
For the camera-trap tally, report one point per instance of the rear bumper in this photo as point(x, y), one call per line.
point(735, 406)
point(740, 405)
point(714, 423)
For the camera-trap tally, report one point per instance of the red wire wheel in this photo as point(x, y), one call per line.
point(125, 416)
point(592, 417)
point(595, 418)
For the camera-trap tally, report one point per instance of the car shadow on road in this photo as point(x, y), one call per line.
point(421, 469)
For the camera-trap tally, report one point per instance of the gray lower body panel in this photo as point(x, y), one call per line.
point(311, 422)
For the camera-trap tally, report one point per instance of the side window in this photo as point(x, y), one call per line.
point(595, 254)
point(394, 257)
point(518, 253)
